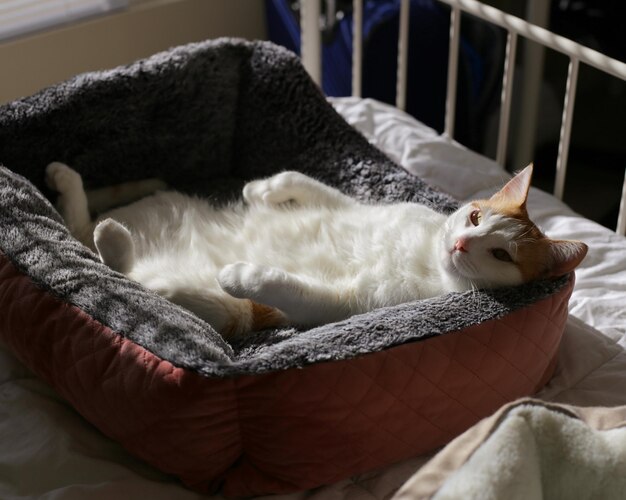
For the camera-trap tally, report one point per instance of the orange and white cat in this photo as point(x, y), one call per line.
point(296, 251)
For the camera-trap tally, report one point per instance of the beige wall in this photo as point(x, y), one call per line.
point(149, 26)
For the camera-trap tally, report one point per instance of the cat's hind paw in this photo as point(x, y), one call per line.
point(115, 245)
point(245, 280)
point(280, 188)
point(63, 179)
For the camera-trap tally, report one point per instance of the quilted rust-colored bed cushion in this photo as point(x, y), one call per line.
point(286, 430)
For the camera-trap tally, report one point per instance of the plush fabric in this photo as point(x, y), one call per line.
point(205, 118)
point(530, 449)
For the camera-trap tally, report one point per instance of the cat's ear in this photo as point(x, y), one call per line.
point(515, 192)
point(565, 256)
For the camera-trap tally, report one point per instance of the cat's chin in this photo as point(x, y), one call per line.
point(455, 268)
point(464, 275)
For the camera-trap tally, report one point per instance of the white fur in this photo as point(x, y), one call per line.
point(294, 244)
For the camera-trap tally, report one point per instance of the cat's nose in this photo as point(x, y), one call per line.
point(461, 245)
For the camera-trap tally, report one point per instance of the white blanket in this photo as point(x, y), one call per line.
point(531, 450)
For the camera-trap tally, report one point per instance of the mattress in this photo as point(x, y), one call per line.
point(48, 450)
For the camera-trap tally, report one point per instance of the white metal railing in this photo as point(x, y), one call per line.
point(311, 39)
point(506, 97)
point(453, 57)
point(515, 27)
point(357, 47)
point(403, 55)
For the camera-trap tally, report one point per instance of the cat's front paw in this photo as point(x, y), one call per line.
point(63, 179)
point(244, 280)
point(280, 188)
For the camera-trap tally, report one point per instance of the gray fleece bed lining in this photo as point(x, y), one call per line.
point(207, 117)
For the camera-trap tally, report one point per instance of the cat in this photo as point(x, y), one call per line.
point(297, 252)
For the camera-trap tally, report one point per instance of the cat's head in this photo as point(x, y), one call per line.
point(493, 243)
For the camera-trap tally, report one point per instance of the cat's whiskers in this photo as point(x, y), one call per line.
point(475, 294)
point(526, 237)
point(515, 245)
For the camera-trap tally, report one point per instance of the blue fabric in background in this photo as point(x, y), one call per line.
point(428, 59)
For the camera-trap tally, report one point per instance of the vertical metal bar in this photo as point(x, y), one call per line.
point(310, 39)
point(330, 16)
point(453, 59)
point(566, 127)
point(403, 55)
point(538, 13)
point(357, 47)
point(505, 99)
point(621, 218)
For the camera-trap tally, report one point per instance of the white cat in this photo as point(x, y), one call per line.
point(299, 252)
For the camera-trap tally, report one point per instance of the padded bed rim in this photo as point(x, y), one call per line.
point(174, 423)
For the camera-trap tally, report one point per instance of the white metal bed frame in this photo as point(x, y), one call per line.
point(515, 27)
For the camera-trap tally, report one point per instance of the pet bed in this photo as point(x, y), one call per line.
point(281, 410)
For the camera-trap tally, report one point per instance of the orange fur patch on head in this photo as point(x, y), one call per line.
point(534, 260)
point(533, 249)
point(515, 192)
point(507, 209)
point(532, 255)
point(536, 256)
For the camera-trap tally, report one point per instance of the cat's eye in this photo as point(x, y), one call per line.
point(475, 217)
point(502, 255)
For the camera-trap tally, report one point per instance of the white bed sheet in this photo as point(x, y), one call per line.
point(48, 451)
